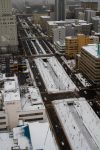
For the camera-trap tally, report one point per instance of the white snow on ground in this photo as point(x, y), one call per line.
point(61, 74)
point(54, 76)
point(80, 123)
point(48, 81)
point(40, 47)
point(82, 80)
point(69, 63)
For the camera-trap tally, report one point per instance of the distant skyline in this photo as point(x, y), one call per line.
point(34, 1)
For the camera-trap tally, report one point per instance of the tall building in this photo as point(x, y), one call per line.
point(89, 14)
point(8, 28)
point(90, 62)
point(73, 44)
point(60, 9)
point(96, 23)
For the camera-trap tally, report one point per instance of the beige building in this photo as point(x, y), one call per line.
point(43, 22)
point(90, 62)
point(73, 44)
point(14, 107)
point(8, 28)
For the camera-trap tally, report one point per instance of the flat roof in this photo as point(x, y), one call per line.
point(34, 136)
point(10, 86)
point(54, 76)
point(80, 123)
point(92, 49)
point(41, 136)
point(5, 142)
point(11, 89)
point(11, 96)
point(32, 100)
point(67, 21)
point(48, 17)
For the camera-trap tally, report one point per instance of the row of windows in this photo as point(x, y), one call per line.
point(7, 23)
point(2, 117)
point(33, 114)
point(30, 120)
point(1, 123)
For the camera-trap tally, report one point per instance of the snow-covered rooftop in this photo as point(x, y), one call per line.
point(29, 136)
point(32, 100)
point(92, 49)
point(67, 21)
point(54, 76)
point(5, 142)
point(80, 123)
point(41, 136)
point(83, 80)
point(45, 17)
point(11, 89)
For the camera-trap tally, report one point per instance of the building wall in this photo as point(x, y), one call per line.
point(60, 9)
point(12, 108)
point(59, 34)
point(8, 31)
point(43, 22)
point(90, 66)
point(96, 23)
point(8, 27)
point(89, 14)
point(71, 46)
point(5, 7)
point(3, 120)
point(32, 115)
point(92, 5)
point(74, 44)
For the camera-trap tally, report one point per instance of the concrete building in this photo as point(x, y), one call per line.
point(60, 9)
point(59, 34)
point(73, 44)
point(89, 4)
point(77, 11)
point(90, 62)
point(8, 28)
point(15, 106)
point(73, 27)
point(82, 27)
point(43, 22)
point(5, 7)
point(89, 14)
point(96, 23)
point(29, 136)
point(81, 16)
point(79, 122)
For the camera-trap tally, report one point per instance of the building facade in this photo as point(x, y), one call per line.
point(60, 9)
point(90, 62)
point(8, 28)
point(73, 44)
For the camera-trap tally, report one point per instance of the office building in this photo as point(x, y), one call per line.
point(90, 62)
point(29, 136)
point(79, 122)
point(60, 9)
point(73, 44)
point(89, 4)
point(8, 28)
point(89, 14)
point(96, 24)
